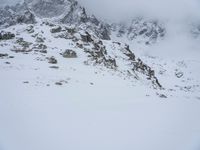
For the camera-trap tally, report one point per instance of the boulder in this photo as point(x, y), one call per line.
point(6, 35)
point(52, 60)
point(179, 74)
point(3, 55)
point(69, 54)
point(56, 29)
point(86, 37)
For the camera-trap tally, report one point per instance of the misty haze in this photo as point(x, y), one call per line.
point(99, 75)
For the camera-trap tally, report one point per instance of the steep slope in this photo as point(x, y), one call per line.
point(112, 55)
point(12, 15)
point(65, 12)
point(70, 23)
point(64, 102)
point(71, 82)
point(70, 13)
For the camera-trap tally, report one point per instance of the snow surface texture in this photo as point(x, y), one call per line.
point(66, 85)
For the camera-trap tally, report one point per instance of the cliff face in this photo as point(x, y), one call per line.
point(12, 15)
point(67, 12)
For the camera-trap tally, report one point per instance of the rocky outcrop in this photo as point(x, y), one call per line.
point(56, 29)
point(27, 18)
point(52, 60)
point(71, 13)
point(22, 46)
point(137, 65)
point(69, 54)
point(75, 14)
point(3, 55)
point(20, 13)
point(6, 35)
point(86, 37)
point(98, 55)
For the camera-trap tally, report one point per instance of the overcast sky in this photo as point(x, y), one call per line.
point(117, 9)
point(160, 8)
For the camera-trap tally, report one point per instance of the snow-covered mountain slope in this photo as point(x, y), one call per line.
point(44, 37)
point(52, 44)
point(71, 81)
point(52, 98)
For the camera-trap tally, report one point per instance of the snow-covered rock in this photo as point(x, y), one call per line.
point(140, 30)
point(12, 15)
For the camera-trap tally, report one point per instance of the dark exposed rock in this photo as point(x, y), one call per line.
point(6, 35)
point(49, 24)
point(139, 66)
point(129, 53)
point(25, 82)
point(30, 29)
point(27, 18)
point(118, 43)
point(80, 45)
point(44, 51)
point(3, 55)
point(8, 63)
point(54, 67)
point(23, 43)
point(56, 29)
point(61, 82)
point(24, 46)
point(52, 60)
point(161, 95)
point(104, 32)
point(21, 50)
point(99, 56)
point(58, 83)
point(143, 31)
point(94, 20)
point(12, 15)
point(71, 30)
point(69, 54)
point(86, 37)
point(40, 40)
point(179, 74)
point(40, 48)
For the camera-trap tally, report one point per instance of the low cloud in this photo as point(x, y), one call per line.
point(166, 9)
point(118, 9)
